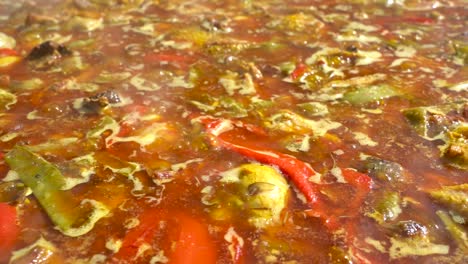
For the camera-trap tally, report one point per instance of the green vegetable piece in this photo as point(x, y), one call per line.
point(83, 24)
point(46, 182)
point(41, 250)
point(443, 122)
point(431, 121)
point(27, 85)
point(195, 35)
point(287, 67)
point(109, 77)
point(72, 64)
point(384, 170)
point(417, 119)
point(386, 208)
point(314, 109)
point(71, 216)
point(82, 44)
point(458, 233)
point(7, 42)
point(454, 197)
point(455, 152)
point(232, 108)
point(6, 99)
point(226, 48)
point(338, 255)
point(461, 50)
point(367, 94)
point(298, 22)
point(106, 123)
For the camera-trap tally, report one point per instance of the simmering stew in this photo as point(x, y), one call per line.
point(205, 131)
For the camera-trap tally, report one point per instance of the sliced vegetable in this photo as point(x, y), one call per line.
point(289, 121)
point(444, 122)
point(41, 251)
point(72, 217)
point(367, 94)
point(432, 121)
point(26, 85)
point(455, 151)
point(461, 50)
point(8, 60)
point(7, 42)
point(386, 207)
point(84, 24)
point(458, 233)
point(415, 246)
point(6, 99)
point(454, 197)
point(112, 77)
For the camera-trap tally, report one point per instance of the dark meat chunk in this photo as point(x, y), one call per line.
point(96, 103)
point(411, 228)
point(47, 54)
point(48, 48)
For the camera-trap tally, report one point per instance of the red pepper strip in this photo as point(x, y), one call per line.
point(9, 230)
point(299, 71)
point(8, 52)
point(419, 20)
point(362, 185)
point(298, 171)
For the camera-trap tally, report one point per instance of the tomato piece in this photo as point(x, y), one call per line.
point(143, 233)
point(299, 71)
point(9, 229)
point(192, 241)
point(194, 244)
